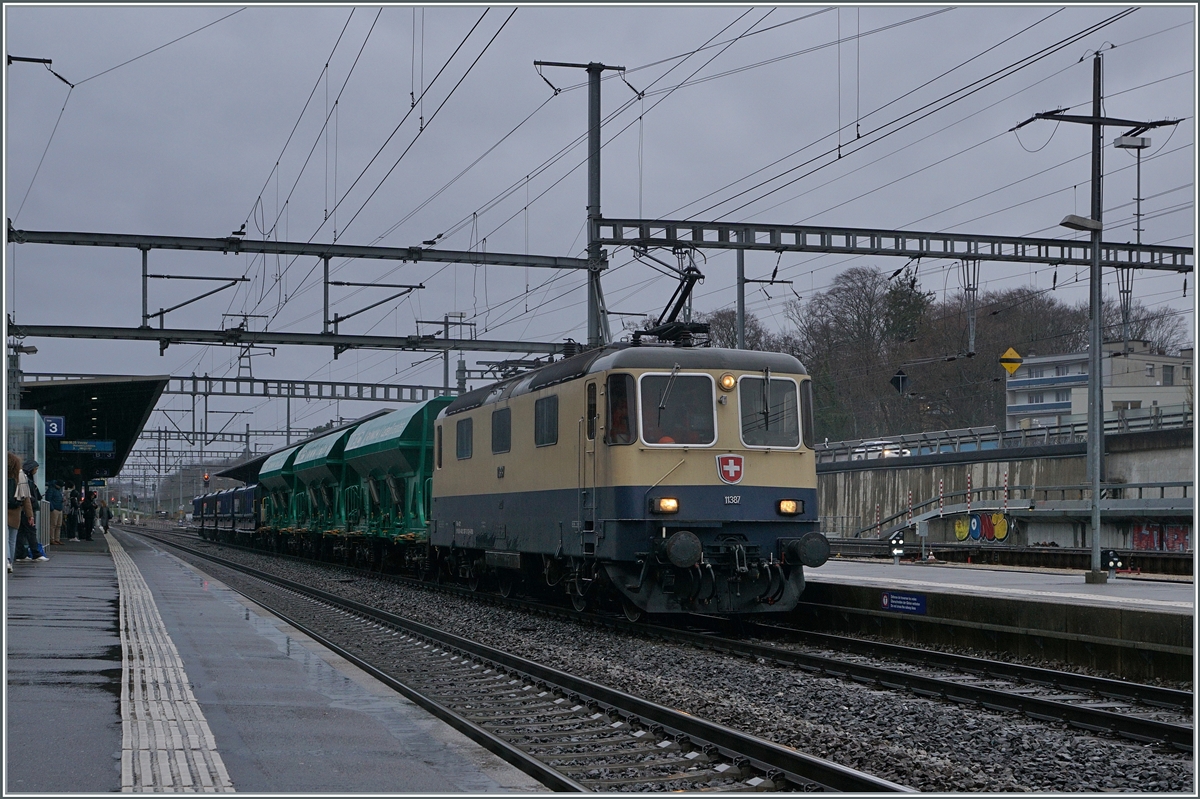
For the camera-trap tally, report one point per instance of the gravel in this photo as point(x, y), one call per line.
point(928, 745)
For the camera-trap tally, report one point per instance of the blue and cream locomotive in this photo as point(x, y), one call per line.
point(669, 478)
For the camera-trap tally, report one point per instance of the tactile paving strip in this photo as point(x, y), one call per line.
point(166, 745)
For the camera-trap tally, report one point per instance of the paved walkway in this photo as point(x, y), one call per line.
point(130, 670)
point(1040, 585)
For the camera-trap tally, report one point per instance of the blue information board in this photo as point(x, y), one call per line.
point(903, 603)
point(56, 426)
point(87, 446)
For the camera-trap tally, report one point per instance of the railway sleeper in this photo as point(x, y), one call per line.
point(634, 737)
point(538, 736)
point(704, 775)
point(582, 723)
point(566, 762)
point(517, 711)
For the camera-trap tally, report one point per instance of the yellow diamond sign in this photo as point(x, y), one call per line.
point(1011, 360)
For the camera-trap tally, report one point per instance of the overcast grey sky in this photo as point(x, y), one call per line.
point(185, 141)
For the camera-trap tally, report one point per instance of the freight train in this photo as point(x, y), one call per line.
point(658, 478)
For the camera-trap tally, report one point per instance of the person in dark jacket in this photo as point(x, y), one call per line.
point(54, 496)
point(71, 512)
point(105, 514)
point(89, 516)
point(27, 534)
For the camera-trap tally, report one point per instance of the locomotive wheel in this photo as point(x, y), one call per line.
point(504, 583)
point(578, 602)
point(474, 581)
point(632, 611)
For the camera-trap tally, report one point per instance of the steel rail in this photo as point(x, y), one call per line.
point(1114, 689)
point(763, 755)
point(1132, 727)
point(1145, 730)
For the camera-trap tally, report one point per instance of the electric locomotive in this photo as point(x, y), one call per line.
point(669, 478)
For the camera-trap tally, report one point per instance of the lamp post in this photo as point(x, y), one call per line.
point(1095, 446)
point(1125, 274)
point(1095, 443)
point(14, 372)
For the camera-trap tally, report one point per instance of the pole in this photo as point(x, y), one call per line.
point(941, 499)
point(593, 208)
point(145, 288)
point(325, 285)
point(741, 292)
point(289, 416)
point(1095, 453)
point(446, 353)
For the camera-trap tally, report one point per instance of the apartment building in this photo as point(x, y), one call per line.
point(1050, 390)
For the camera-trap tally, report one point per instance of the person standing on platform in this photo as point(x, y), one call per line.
point(19, 503)
point(71, 512)
point(89, 516)
point(54, 496)
point(105, 516)
point(27, 534)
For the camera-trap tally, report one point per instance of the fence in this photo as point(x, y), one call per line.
point(974, 439)
point(1027, 494)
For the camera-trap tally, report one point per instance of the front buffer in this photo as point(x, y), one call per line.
point(728, 569)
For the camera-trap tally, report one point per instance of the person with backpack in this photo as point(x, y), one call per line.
point(27, 534)
point(54, 496)
point(89, 516)
point(105, 514)
point(19, 502)
point(71, 512)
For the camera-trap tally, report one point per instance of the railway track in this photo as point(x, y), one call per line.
point(1133, 711)
point(568, 732)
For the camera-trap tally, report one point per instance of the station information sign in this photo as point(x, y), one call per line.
point(87, 446)
point(56, 426)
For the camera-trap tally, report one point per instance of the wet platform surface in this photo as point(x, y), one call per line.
point(1033, 585)
point(285, 714)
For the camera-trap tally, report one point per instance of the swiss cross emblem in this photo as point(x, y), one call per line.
point(729, 467)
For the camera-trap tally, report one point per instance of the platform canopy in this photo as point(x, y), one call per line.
point(102, 418)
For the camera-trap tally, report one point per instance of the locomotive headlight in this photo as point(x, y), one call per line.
point(727, 382)
point(664, 505)
point(790, 507)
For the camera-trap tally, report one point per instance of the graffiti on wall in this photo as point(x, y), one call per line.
point(982, 527)
point(1162, 537)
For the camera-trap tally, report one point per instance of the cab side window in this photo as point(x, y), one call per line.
point(622, 410)
point(545, 421)
point(591, 411)
point(462, 438)
point(439, 446)
point(501, 430)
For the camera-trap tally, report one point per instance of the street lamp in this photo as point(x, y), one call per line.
point(1124, 273)
point(16, 350)
point(1095, 450)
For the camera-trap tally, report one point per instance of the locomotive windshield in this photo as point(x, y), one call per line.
point(770, 416)
point(677, 409)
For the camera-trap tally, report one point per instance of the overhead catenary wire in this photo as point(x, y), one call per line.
point(946, 100)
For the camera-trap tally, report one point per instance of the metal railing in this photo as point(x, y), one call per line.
point(975, 439)
point(1026, 495)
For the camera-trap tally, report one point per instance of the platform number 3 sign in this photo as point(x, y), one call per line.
point(56, 426)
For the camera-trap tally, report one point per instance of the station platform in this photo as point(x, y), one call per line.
point(129, 670)
point(1138, 628)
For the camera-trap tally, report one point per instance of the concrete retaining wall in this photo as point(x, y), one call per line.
point(849, 493)
point(1133, 645)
